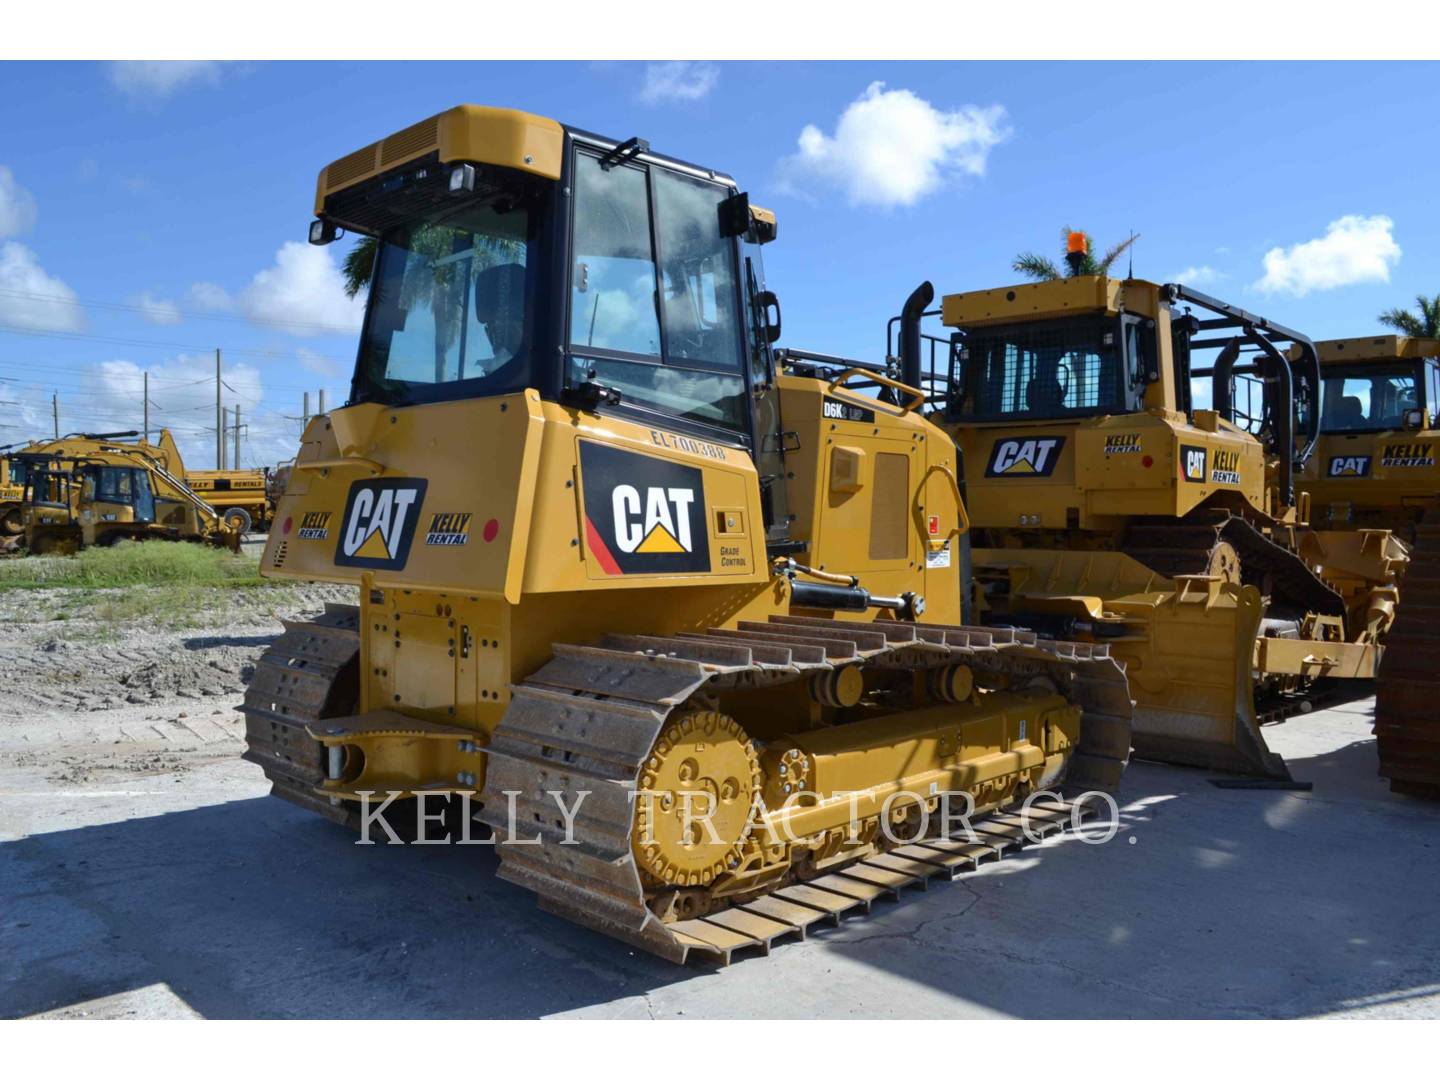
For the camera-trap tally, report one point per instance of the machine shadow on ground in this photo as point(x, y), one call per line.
point(1228, 904)
point(254, 908)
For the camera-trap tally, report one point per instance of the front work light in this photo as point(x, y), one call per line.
point(323, 232)
point(462, 179)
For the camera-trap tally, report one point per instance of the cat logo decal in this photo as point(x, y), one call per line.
point(379, 523)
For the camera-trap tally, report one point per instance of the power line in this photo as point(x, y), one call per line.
point(75, 335)
point(144, 309)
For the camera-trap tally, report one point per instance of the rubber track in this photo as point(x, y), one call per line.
point(1407, 718)
point(589, 718)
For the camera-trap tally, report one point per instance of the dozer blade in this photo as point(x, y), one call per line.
point(1190, 666)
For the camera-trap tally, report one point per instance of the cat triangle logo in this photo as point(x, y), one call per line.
point(373, 548)
point(659, 542)
point(1021, 466)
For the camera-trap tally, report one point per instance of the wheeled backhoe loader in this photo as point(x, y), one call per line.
point(1376, 470)
point(1109, 504)
point(680, 622)
point(87, 490)
point(242, 497)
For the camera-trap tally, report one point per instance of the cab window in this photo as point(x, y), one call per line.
point(1370, 399)
point(653, 298)
point(1051, 369)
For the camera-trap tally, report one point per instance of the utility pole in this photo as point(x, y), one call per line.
point(305, 412)
point(219, 418)
point(146, 383)
point(55, 411)
point(237, 435)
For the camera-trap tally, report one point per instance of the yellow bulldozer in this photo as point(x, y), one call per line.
point(677, 618)
point(95, 489)
point(12, 495)
point(1108, 503)
point(1376, 469)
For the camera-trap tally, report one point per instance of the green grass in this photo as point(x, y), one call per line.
point(127, 564)
point(101, 592)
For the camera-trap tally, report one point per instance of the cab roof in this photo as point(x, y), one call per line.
point(1083, 295)
point(1379, 348)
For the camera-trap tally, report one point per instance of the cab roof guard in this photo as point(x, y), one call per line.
point(1253, 351)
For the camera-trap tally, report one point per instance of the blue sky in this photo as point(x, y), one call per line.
point(145, 210)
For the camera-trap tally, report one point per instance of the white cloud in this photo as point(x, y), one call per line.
point(1198, 275)
point(31, 299)
point(207, 296)
point(1354, 249)
point(892, 148)
point(318, 364)
point(156, 311)
point(17, 206)
point(678, 80)
point(303, 294)
point(155, 80)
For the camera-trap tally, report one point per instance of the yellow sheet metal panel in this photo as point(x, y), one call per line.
point(569, 501)
point(1050, 299)
point(475, 133)
point(1379, 348)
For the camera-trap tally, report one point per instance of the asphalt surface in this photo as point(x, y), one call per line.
point(188, 892)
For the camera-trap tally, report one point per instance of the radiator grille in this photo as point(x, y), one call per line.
point(350, 166)
point(412, 140)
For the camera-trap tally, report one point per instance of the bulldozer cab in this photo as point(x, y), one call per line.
point(1113, 399)
point(1376, 460)
point(597, 273)
point(113, 493)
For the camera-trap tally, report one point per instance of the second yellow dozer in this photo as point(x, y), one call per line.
point(1377, 470)
point(681, 624)
point(12, 496)
point(1109, 504)
point(96, 489)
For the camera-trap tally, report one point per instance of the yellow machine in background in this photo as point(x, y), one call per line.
point(603, 543)
point(97, 489)
point(242, 497)
point(1377, 464)
point(12, 497)
point(1108, 504)
point(1376, 470)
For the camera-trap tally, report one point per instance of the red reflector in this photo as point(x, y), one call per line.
point(492, 530)
point(934, 524)
point(1147, 461)
point(286, 527)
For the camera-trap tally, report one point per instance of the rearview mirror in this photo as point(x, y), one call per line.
point(735, 215)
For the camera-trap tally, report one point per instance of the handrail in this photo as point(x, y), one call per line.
point(339, 463)
point(918, 396)
point(964, 518)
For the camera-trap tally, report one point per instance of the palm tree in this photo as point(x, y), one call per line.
point(359, 265)
point(441, 291)
point(1040, 268)
point(1424, 325)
